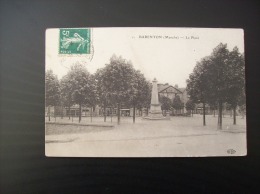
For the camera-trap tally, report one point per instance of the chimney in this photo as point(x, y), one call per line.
point(176, 86)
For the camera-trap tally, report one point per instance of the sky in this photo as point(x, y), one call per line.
point(167, 54)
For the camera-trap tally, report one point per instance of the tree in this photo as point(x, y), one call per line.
point(82, 86)
point(139, 92)
point(198, 85)
point(147, 95)
point(218, 79)
point(66, 92)
point(93, 96)
point(227, 75)
point(190, 106)
point(166, 103)
point(115, 80)
point(177, 103)
point(235, 80)
point(242, 104)
point(102, 93)
point(52, 90)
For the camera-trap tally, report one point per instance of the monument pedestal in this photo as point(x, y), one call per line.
point(155, 112)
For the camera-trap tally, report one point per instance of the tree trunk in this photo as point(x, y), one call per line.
point(111, 110)
point(105, 112)
point(61, 113)
point(220, 115)
point(204, 115)
point(54, 113)
point(134, 115)
point(118, 113)
point(234, 116)
point(69, 112)
point(49, 113)
point(91, 114)
point(79, 113)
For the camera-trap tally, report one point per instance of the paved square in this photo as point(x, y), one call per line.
point(180, 136)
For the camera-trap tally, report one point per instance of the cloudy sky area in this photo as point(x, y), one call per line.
point(169, 60)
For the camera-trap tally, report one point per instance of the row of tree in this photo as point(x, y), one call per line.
point(117, 84)
point(218, 79)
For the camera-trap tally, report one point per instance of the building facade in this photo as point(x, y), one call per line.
point(171, 92)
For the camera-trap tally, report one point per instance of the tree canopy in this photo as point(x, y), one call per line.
point(177, 104)
point(52, 89)
point(218, 78)
point(80, 87)
point(118, 83)
point(166, 103)
point(190, 105)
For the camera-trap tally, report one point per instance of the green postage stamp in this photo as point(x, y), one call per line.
point(74, 41)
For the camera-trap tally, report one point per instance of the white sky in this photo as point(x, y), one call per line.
point(169, 60)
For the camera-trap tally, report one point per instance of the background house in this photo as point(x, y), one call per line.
point(172, 91)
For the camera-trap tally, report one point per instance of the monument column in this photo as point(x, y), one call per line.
point(154, 99)
point(155, 108)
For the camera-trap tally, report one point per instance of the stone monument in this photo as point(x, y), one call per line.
point(155, 112)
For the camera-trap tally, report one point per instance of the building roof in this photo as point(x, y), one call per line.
point(162, 87)
point(182, 89)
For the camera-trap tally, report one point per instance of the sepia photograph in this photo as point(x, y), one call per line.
point(145, 92)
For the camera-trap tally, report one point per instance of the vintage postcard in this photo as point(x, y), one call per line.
point(145, 92)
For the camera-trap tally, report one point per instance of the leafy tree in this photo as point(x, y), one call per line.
point(118, 83)
point(166, 103)
point(198, 85)
point(227, 75)
point(102, 93)
point(115, 80)
point(147, 91)
point(190, 106)
point(82, 86)
point(177, 103)
point(139, 93)
point(52, 90)
point(218, 79)
point(213, 106)
point(235, 80)
point(242, 104)
point(66, 92)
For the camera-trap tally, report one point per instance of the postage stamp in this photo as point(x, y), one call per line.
point(74, 41)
